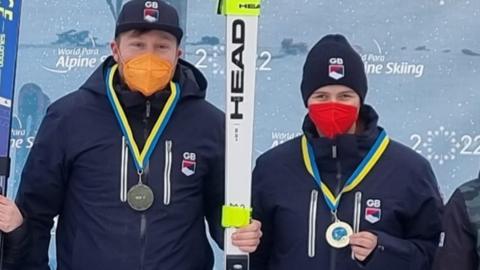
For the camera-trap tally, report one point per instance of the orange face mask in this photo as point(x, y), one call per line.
point(147, 73)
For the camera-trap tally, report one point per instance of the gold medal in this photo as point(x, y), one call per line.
point(338, 234)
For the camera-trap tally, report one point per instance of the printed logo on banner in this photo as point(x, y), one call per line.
point(336, 69)
point(279, 137)
point(443, 144)
point(189, 163)
point(377, 63)
point(76, 50)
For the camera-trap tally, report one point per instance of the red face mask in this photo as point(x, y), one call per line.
point(333, 118)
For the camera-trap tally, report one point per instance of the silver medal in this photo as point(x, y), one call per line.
point(140, 197)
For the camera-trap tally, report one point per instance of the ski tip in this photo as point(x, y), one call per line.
point(220, 7)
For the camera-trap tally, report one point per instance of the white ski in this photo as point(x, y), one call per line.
point(241, 54)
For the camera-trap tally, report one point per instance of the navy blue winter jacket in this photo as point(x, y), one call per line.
point(400, 204)
point(74, 170)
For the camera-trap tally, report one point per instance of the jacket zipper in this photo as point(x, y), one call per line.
point(312, 223)
point(167, 173)
point(333, 252)
point(143, 217)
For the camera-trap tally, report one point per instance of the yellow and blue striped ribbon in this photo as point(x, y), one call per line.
point(141, 158)
point(368, 162)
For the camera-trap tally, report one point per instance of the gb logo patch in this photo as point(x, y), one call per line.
point(336, 69)
point(373, 211)
point(151, 13)
point(189, 163)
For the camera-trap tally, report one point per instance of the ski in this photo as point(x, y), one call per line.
point(9, 28)
point(241, 54)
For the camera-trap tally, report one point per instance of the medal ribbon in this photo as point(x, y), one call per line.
point(141, 158)
point(355, 179)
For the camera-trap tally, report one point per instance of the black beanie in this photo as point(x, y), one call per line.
point(333, 61)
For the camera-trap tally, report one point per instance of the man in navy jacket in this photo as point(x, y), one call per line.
point(459, 247)
point(343, 195)
point(132, 162)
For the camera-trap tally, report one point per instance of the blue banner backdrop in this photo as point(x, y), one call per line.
point(422, 59)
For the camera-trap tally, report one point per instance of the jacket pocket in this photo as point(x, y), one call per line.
point(167, 184)
point(312, 223)
point(124, 171)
